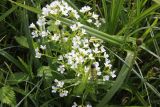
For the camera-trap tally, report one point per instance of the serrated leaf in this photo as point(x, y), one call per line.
point(45, 71)
point(7, 95)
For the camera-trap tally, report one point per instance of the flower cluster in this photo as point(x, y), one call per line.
point(58, 87)
point(81, 52)
point(61, 8)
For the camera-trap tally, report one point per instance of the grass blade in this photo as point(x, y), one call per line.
point(116, 7)
point(32, 9)
point(139, 18)
point(120, 79)
point(12, 59)
point(7, 13)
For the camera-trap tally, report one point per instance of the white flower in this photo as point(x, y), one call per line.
point(82, 51)
point(46, 11)
point(79, 59)
point(113, 74)
point(96, 45)
point(102, 49)
point(106, 78)
point(44, 33)
point(34, 34)
point(60, 84)
point(85, 9)
point(95, 16)
point(63, 93)
point(55, 37)
point(97, 23)
point(74, 104)
point(91, 56)
point(79, 24)
point(88, 105)
point(83, 32)
point(32, 25)
point(89, 20)
point(96, 51)
point(74, 27)
point(54, 89)
point(75, 13)
point(99, 73)
point(86, 69)
point(106, 55)
point(54, 12)
point(60, 58)
point(38, 55)
point(65, 39)
point(89, 51)
point(41, 21)
point(97, 66)
point(57, 22)
point(107, 63)
point(43, 47)
point(74, 65)
point(65, 12)
point(61, 69)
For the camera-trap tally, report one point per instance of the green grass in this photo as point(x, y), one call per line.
point(131, 33)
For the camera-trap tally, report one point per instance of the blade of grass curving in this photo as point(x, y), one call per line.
point(144, 84)
point(19, 90)
point(149, 28)
point(153, 89)
point(139, 18)
point(141, 99)
point(2, 38)
point(155, 43)
point(120, 79)
point(134, 71)
point(29, 93)
point(32, 9)
point(12, 59)
point(4, 15)
point(157, 1)
point(144, 48)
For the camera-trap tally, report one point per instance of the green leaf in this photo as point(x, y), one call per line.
point(129, 61)
point(139, 18)
point(12, 59)
point(7, 96)
point(116, 8)
point(157, 1)
point(32, 9)
point(153, 89)
point(4, 15)
point(140, 97)
point(22, 41)
point(17, 77)
point(45, 71)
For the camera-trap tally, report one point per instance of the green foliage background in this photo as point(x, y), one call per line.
point(133, 40)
